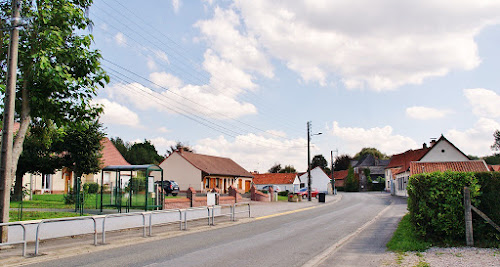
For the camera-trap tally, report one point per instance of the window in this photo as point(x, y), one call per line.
point(207, 183)
point(217, 182)
point(46, 181)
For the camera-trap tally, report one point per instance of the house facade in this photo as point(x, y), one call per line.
point(319, 180)
point(375, 166)
point(285, 181)
point(204, 172)
point(340, 177)
point(62, 180)
point(442, 155)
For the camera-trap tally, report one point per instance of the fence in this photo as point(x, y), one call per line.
point(184, 216)
point(468, 208)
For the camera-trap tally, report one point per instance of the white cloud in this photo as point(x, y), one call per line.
point(165, 80)
point(188, 99)
point(176, 5)
point(115, 113)
point(476, 140)
point(256, 152)
point(163, 130)
point(162, 144)
point(379, 45)
point(382, 138)
point(485, 103)
point(426, 113)
point(120, 39)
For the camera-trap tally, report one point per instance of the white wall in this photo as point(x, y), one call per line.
point(443, 151)
point(320, 180)
point(176, 168)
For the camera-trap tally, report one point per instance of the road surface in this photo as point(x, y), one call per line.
point(294, 239)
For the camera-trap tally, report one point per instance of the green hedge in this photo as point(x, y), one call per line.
point(435, 202)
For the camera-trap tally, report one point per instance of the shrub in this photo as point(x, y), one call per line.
point(351, 183)
point(283, 193)
point(137, 184)
point(91, 188)
point(489, 203)
point(435, 202)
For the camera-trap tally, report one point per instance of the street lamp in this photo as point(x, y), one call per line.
point(309, 159)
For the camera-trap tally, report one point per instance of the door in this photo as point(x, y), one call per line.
point(247, 186)
point(239, 184)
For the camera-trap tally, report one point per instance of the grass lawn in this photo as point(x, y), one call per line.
point(38, 215)
point(405, 238)
point(282, 198)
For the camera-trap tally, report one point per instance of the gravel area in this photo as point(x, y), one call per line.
point(462, 256)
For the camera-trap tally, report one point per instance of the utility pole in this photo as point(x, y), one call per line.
point(8, 122)
point(333, 165)
point(308, 161)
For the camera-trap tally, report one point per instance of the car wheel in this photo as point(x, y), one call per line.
point(174, 194)
point(316, 196)
point(303, 196)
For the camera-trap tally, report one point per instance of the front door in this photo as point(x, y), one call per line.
point(247, 186)
point(239, 184)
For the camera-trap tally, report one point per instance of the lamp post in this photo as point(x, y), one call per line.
point(309, 159)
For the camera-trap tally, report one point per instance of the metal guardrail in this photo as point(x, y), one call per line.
point(210, 216)
point(240, 204)
point(37, 236)
point(196, 208)
point(123, 215)
point(16, 242)
point(162, 212)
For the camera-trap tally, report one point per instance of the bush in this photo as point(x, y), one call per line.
point(283, 193)
point(91, 188)
point(137, 184)
point(351, 184)
point(435, 202)
point(489, 203)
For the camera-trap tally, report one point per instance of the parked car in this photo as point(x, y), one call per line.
point(169, 187)
point(275, 187)
point(303, 192)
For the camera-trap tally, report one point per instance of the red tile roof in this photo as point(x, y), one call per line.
point(213, 165)
point(111, 155)
point(457, 166)
point(340, 175)
point(274, 178)
point(494, 168)
point(403, 160)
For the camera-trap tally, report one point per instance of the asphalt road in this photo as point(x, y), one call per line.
point(288, 240)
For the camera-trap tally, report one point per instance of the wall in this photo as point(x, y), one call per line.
point(176, 168)
point(450, 153)
point(320, 180)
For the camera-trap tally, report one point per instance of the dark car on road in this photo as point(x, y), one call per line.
point(169, 187)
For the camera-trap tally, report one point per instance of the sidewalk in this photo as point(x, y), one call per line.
point(74, 245)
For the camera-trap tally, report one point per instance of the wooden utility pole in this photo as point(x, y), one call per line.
point(469, 236)
point(8, 122)
point(308, 161)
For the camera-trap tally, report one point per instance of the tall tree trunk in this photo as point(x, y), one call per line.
point(19, 140)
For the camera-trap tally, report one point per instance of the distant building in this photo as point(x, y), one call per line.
point(204, 172)
point(375, 165)
point(319, 180)
point(285, 181)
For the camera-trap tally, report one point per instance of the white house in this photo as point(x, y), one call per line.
point(204, 172)
point(285, 181)
point(442, 155)
point(319, 180)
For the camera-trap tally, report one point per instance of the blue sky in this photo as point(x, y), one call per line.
point(240, 79)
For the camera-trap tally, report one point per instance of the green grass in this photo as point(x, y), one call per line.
point(405, 238)
point(282, 198)
point(38, 215)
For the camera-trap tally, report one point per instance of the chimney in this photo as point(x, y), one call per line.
point(433, 142)
point(424, 146)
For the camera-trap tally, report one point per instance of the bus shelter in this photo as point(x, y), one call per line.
point(133, 187)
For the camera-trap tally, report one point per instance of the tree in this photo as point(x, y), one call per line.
point(351, 184)
point(320, 161)
point(287, 169)
point(493, 159)
point(178, 147)
point(143, 153)
point(120, 145)
point(342, 162)
point(370, 150)
point(81, 146)
point(496, 145)
point(58, 73)
point(275, 168)
point(39, 155)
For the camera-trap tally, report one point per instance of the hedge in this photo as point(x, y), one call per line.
point(435, 202)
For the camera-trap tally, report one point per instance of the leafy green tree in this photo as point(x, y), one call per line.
point(351, 184)
point(367, 173)
point(320, 161)
point(143, 153)
point(82, 148)
point(39, 155)
point(288, 169)
point(179, 146)
point(496, 145)
point(370, 150)
point(275, 168)
point(58, 72)
point(493, 159)
point(342, 162)
point(120, 145)
point(472, 157)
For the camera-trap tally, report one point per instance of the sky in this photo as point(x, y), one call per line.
point(241, 79)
